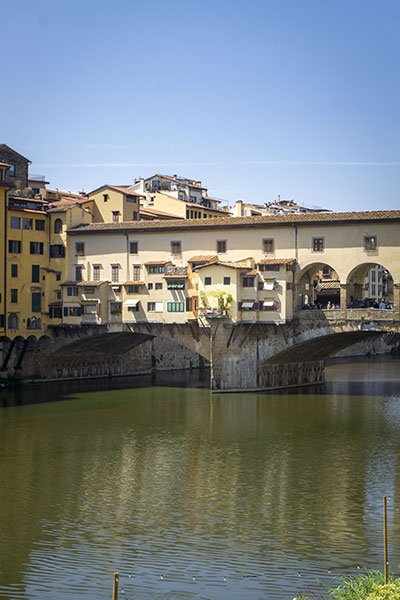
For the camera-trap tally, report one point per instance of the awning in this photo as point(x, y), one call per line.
point(131, 302)
point(268, 303)
point(247, 304)
point(116, 287)
point(269, 284)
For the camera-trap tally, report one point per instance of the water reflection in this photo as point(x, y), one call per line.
point(198, 496)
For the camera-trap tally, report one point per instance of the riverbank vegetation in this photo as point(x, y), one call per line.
point(366, 587)
point(10, 381)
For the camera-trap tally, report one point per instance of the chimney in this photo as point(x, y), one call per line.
point(279, 197)
point(239, 205)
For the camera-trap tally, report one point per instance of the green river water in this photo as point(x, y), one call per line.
point(193, 496)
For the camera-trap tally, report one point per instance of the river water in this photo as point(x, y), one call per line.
point(193, 496)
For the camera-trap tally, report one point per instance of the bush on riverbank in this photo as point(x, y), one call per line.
point(10, 381)
point(367, 587)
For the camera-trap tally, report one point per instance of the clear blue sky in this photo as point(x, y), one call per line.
point(256, 98)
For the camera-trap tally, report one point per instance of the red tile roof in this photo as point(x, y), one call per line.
point(303, 219)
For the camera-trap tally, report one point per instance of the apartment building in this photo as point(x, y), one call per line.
point(184, 198)
point(113, 204)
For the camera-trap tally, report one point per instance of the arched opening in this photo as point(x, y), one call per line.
point(13, 321)
point(370, 285)
point(57, 226)
point(318, 286)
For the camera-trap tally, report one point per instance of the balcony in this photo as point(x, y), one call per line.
point(173, 271)
point(38, 178)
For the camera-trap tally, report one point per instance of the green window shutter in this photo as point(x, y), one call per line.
point(65, 311)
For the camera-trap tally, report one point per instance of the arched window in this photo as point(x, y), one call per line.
point(12, 321)
point(57, 226)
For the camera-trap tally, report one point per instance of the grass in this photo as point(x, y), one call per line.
point(365, 587)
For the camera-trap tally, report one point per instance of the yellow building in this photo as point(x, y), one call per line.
point(114, 204)
point(183, 209)
point(3, 242)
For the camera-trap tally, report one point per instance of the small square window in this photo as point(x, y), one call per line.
point(268, 245)
point(370, 242)
point(318, 244)
point(150, 286)
point(176, 248)
point(207, 280)
point(159, 286)
point(221, 246)
point(227, 280)
point(105, 197)
point(133, 247)
point(80, 248)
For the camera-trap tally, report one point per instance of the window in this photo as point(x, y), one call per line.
point(318, 244)
point(57, 251)
point(57, 226)
point(175, 307)
point(105, 197)
point(221, 246)
point(132, 289)
point(263, 267)
point(373, 289)
point(115, 216)
point(90, 309)
point(227, 280)
point(39, 224)
point(72, 291)
point(35, 273)
point(27, 223)
point(248, 282)
point(36, 301)
point(14, 270)
point(96, 273)
point(89, 290)
point(370, 242)
point(36, 247)
point(11, 171)
point(130, 198)
point(151, 306)
point(14, 246)
point(175, 284)
point(157, 269)
point(12, 321)
point(14, 295)
point(114, 273)
point(80, 248)
point(72, 311)
point(78, 273)
point(207, 280)
point(58, 275)
point(135, 215)
point(176, 248)
point(116, 308)
point(58, 294)
point(159, 285)
point(133, 247)
point(150, 286)
point(250, 305)
point(15, 223)
point(268, 245)
point(373, 276)
point(55, 312)
point(136, 272)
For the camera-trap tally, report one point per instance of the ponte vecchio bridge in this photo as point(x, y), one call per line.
point(246, 350)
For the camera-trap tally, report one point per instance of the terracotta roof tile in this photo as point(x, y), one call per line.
point(243, 222)
point(133, 283)
point(157, 262)
point(276, 261)
point(201, 258)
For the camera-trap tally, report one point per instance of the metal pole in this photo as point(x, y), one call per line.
point(115, 586)
point(385, 541)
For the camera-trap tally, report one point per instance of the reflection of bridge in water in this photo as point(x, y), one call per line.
point(243, 356)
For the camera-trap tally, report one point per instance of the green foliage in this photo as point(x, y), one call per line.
point(228, 300)
point(358, 588)
point(203, 299)
point(391, 591)
point(224, 300)
point(10, 381)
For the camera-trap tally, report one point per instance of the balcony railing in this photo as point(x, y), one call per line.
point(41, 178)
point(172, 270)
point(213, 313)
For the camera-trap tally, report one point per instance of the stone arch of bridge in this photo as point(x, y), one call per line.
point(369, 281)
point(317, 283)
point(120, 342)
point(320, 348)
